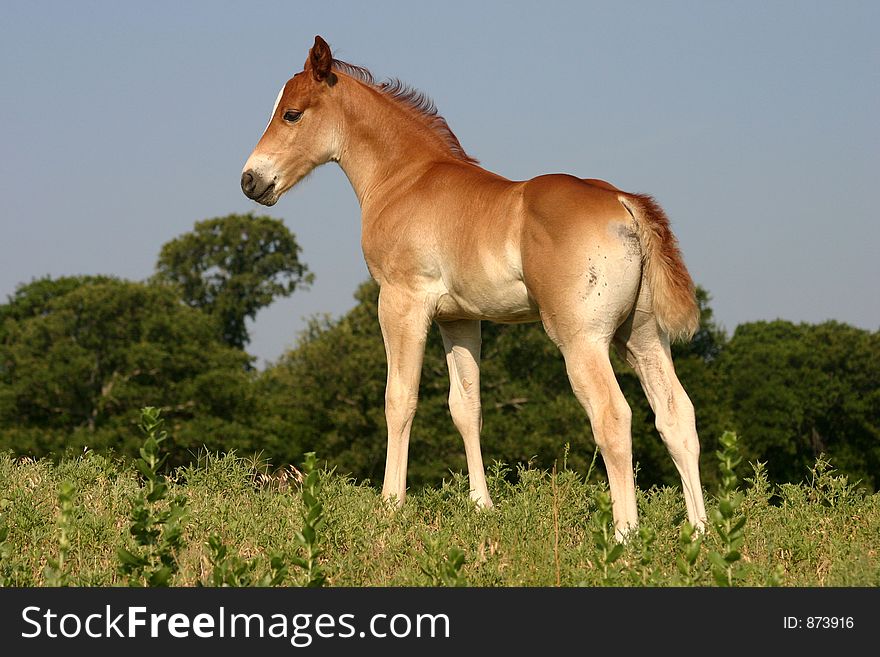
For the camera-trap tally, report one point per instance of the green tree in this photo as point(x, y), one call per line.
point(80, 356)
point(231, 267)
point(326, 395)
point(34, 298)
point(799, 390)
point(709, 340)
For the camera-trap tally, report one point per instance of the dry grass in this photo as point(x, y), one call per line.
point(821, 533)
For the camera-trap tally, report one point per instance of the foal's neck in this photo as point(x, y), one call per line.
point(384, 144)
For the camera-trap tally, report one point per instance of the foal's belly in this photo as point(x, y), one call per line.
point(480, 276)
point(498, 301)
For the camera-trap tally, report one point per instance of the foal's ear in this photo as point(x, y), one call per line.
point(321, 61)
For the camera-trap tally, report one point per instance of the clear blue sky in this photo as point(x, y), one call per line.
point(754, 123)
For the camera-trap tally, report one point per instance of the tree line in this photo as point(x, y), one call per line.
point(80, 356)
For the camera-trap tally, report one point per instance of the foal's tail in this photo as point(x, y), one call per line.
point(672, 289)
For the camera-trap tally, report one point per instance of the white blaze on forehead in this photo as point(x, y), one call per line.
point(275, 106)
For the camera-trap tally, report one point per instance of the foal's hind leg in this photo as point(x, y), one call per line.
point(647, 350)
point(594, 384)
point(461, 339)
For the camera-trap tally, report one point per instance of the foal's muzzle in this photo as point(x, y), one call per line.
point(258, 189)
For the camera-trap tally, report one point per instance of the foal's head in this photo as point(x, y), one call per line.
point(303, 131)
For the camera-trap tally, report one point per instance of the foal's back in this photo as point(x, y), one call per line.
point(490, 248)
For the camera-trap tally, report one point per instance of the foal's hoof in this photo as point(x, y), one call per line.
point(392, 501)
point(482, 502)
point(625, 533)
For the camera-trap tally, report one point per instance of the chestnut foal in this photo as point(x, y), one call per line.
point(450, 242)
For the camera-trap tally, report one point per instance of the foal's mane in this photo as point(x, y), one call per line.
point(413, 99)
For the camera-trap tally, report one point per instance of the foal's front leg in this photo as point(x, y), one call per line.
point(404, 321)
point(461, 339)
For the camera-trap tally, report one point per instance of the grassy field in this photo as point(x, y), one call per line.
point(225, 521)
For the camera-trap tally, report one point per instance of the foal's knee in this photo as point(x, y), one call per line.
point(400, 406)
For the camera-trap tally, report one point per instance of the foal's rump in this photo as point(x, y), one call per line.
point(587, 247)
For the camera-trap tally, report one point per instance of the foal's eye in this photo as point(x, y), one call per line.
point(292, 116)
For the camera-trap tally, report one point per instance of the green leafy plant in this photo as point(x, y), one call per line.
point(608, 548)
point(312, 521)
point(776, 576)
point(231, 570)
point(689, 543)
point(443, 568)
point(828, 487)
point(156, 528)
point(726, 521)
point(646, 573)
point(56, 570)
point(760, 491)
point(5, 552)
